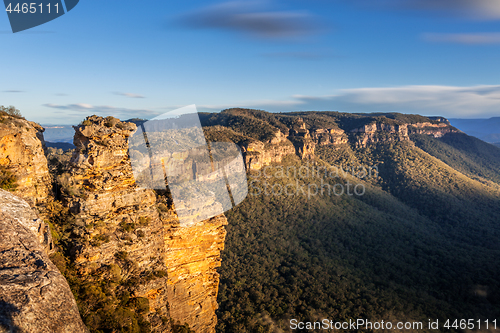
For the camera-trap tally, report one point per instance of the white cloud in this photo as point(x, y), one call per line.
point(471, 38)
point(131, 95)
point(449, 101)
point(102, 110)
point(472, 9)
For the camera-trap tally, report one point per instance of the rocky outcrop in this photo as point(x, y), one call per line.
point(21, 212)
point(192, 254)
point(22, 155)
point(382, 132)
point(34, 296)
point(118, 223)
point(436, 130)
point(329, 136)
point(123, 226)
point(258, 154)
point(379, 132)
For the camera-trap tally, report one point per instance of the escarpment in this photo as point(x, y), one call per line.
point(267, 138)
point(34, 296)
point(437, 130)
point(22, 158)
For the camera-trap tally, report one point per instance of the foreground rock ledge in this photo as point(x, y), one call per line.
point(34, 296)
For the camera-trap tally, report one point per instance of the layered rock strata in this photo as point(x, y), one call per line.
point(22, 155)
point(119, 217)
point(192, 254)
point(34, 296)
point(436, 130)
point(119, 222)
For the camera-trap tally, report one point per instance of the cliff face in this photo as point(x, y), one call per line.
point(258, 154)
point(34, 296)
point(300, 133)
point(301, 142)
point(120, 234)
point(436, 130)
point(137, 230)
point(22, 155)
point(379, 132)
point(192, 255)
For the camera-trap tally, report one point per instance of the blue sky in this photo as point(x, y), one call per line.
point(139, 59)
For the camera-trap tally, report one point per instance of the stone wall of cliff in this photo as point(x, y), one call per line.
point(120, 235)
point(34, 296)
point(302, 140)
point(137, 230)
point(192, 254)
point(22, 155)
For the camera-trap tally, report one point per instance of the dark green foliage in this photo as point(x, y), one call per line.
point(100, 239)
point(464, 153)
point(162, 207)
point(178, 328)
point(141, 304)
point(121, 255)
point(415, 246)
point(144, 221)
point(7, 179)
point(251, 123)
point(127, 227)
point(60, 261)
point(111, 121)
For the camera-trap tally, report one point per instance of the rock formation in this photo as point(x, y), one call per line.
point(118, 218)
point(120, 228)
point(299, 134)
point(436, 130)
point(192, 255)
point(379, 132)
point(22, 155)
point(34, 296)
point(258, 154)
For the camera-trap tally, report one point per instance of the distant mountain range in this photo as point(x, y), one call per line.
point(485, 129)
point(58, 133)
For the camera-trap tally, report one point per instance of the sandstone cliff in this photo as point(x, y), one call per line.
point(132, 236)
point(437, 130)
point(379, 132)
point(22, 155)
point(271, 137)
point(119, 236)
point(34, 296)
point(192, 255)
